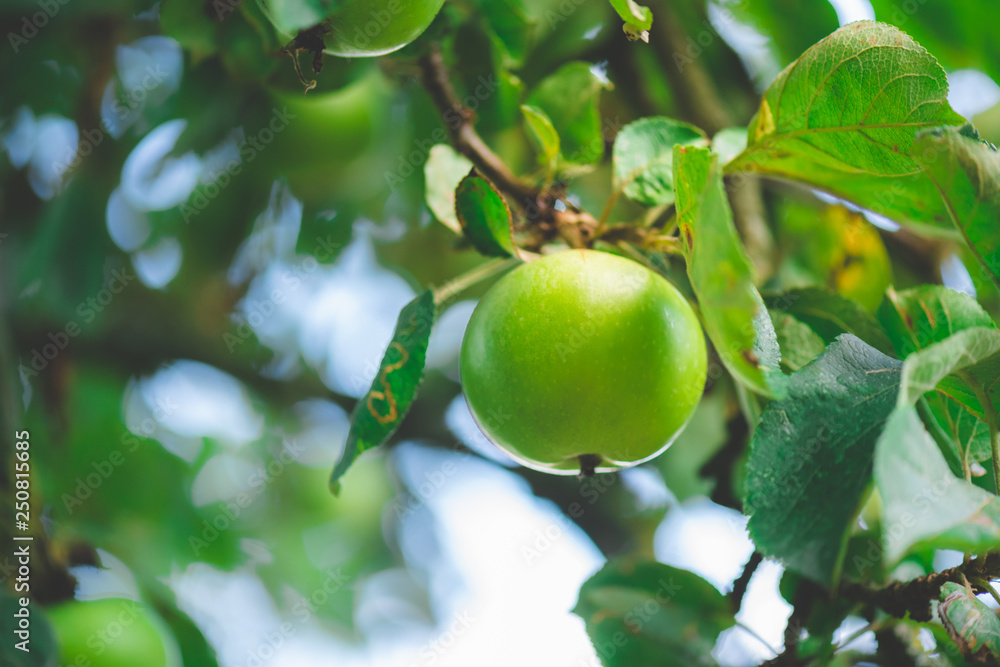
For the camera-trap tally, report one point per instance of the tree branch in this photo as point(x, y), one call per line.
point(458, 119)
point(740, 585)
point(722, 465)
point(914, 597)
point(805, 596)
point(576, 227)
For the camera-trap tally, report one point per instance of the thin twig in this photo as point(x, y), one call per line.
point(458, 119)
point(741, 583)
point(753, 633)
point(608, 207)
point(576, 227)
point(871, 627)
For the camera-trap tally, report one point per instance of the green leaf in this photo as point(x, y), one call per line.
point(510, 21)
point(484, 216)
point(569, 98)
point(923, 503)
point(444, 170)
point(643, 158)
point(481, 75)
point(967, 174)
point(798, 342)
point(924, 315)
point(986, 374)
point(945, 645)
point(830, 314)
point(542, 133)
point(964, 368)
point(648, 613)
point(729, 142)
point(638, 19)
point(844, 117)
point(969, 434)
point(810, 460)
point(923, 370)
point(721, 276)
point(972, 625)
point(379, 413)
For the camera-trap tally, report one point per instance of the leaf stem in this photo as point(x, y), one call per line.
point(753, 633)
point(451, 289)
point(871, 627)
point(668, 244)
point(637, 256)
point(985, 583)
point(608, 207)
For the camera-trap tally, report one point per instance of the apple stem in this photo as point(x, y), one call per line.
point(588, 465)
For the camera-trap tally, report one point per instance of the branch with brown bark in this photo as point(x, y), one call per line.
point(459, 120)
point(914, 597)
point(576, 227)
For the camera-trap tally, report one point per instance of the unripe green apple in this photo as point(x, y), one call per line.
point(376, 27)
point(112, 632)
point(582, 361)
point(356, 28)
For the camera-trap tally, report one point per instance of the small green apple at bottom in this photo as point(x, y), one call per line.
point(583, 362)
point(112, 632)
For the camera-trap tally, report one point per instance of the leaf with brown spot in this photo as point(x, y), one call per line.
point(379, 413)
point(734, 315)
point(972, 625)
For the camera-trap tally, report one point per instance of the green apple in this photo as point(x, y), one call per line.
point(375, 27)
point(583, 361)
point(112, 632)
point(356, 28)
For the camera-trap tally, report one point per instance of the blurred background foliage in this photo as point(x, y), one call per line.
point(213, 325)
